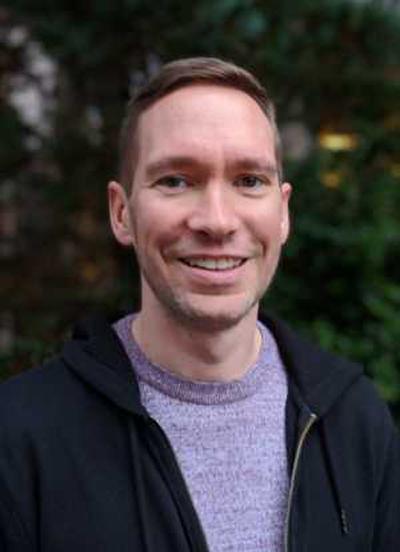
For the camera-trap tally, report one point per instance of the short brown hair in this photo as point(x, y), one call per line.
point(178, 74)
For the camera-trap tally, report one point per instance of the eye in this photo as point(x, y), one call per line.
point(172, 182)
point(251, 182)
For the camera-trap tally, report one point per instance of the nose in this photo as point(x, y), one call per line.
point(214, 214)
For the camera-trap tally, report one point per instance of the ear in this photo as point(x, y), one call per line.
point(120, 221)
point(286, 191)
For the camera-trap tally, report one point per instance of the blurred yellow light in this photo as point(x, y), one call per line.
point(338, 141)
point(395, 170)
point(331, 179)
point(89, 272)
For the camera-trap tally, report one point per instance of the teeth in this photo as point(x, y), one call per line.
point(214, 264)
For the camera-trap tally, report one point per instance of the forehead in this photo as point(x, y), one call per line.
point(204, 117)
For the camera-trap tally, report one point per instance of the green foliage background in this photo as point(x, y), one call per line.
point(330, 65)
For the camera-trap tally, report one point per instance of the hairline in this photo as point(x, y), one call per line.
point(242, 81)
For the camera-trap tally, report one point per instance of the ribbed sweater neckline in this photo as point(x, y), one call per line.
point(188, 390)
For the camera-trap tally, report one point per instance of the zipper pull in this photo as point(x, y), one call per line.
point(343, 521)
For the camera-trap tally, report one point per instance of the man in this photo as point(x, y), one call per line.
point(192, 425)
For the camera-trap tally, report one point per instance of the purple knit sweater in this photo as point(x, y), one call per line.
point(229, 440)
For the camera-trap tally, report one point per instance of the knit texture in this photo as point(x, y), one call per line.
point(229, 440)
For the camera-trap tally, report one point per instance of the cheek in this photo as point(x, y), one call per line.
point(160, 218)
point(267, 228)
point(155, 234)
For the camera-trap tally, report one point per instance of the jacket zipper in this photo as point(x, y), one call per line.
point(312, 418)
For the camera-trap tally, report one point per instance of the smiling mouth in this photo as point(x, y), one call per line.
point(224, 263)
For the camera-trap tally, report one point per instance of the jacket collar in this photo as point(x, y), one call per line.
point(320, 378)
point(316, 378)
point(96, 355)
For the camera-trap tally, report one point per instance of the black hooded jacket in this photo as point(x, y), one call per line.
point(84, 468)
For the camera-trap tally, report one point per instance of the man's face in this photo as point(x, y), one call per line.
point(208, 217)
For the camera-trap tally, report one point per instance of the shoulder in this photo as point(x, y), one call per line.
point(332, 386)
point(363, 413)
point(34, 397)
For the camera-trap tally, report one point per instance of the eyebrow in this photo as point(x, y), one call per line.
point(171, 163)
point(180, 162)
point(255, 164)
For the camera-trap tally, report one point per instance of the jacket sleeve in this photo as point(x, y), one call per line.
point(387, 519)
point(13, 537)
point(14, 487)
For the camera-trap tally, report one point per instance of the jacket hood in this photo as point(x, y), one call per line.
point(320, 378)
point(96, 355)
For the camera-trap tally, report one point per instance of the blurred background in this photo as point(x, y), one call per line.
point(66, 71)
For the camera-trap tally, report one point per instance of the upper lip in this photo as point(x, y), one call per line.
point(213, 256)
point(214, 262)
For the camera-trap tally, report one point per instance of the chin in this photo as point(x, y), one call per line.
point(211, 314)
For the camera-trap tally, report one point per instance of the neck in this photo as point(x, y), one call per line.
point(222, 355)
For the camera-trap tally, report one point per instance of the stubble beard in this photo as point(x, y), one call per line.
point(192, 316)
